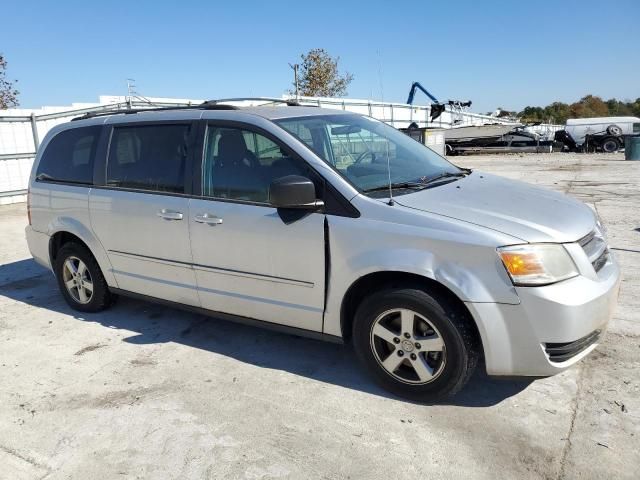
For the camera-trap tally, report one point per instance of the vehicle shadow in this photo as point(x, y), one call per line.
point(153, 324)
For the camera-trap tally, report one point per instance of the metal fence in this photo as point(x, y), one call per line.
point(20, 135)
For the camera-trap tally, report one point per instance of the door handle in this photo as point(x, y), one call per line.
point(170, 214)
point(208, 218)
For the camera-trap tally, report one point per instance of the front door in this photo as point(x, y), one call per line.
point(249, 258)
point(141, 214)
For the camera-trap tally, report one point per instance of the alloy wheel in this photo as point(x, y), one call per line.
point(77, 279)
point(408, 346)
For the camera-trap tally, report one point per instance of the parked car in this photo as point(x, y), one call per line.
point(602, 133)
point(327, 224)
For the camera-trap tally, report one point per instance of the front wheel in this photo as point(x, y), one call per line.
point(415, 344)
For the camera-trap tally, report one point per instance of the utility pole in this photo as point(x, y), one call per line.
point(295, 78)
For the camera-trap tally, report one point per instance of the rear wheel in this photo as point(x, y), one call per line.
point(80, 279)
point(415, 344)
point(610, 145)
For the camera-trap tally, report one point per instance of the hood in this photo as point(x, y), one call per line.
point(530, 213)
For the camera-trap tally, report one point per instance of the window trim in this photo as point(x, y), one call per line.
point(100, 174)
point(344, 207)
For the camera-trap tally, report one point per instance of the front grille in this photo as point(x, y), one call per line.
point(561, 352)
point(595, 246)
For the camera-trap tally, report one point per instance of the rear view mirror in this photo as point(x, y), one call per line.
point(293, 191)
point(346, 130)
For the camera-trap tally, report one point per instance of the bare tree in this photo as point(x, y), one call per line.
point(8, 93)
point(319, 76)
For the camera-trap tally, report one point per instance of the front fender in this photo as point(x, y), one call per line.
point(470, 269)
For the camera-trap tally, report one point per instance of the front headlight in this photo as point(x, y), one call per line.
point(601, 229)
point(537, 264)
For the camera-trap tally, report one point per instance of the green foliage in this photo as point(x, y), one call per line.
point(319, 76)
point(586, 107)
point(8, 93)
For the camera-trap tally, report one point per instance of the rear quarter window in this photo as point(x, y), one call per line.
point(69, 156)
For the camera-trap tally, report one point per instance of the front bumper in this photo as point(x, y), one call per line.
point(519, 340)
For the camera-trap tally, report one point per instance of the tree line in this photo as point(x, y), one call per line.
point(587, 107)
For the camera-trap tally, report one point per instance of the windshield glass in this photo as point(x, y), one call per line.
point(360, 148)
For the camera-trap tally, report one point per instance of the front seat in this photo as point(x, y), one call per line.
point(236, 171)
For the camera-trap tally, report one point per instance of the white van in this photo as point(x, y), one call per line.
point(327, 224)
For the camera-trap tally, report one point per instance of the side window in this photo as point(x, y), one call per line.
point(69, 156)
point(241, 164)
point(148, 157)
point(636, 128)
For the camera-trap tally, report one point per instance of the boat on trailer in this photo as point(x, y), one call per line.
point(471, 132)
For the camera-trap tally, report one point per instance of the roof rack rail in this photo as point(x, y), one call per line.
point(288, 102)
point(208, 105)
point(217, 104)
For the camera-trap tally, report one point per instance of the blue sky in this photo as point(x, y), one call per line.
point(507, 54)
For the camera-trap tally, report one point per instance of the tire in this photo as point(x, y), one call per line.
point(610, 145)
point(87, 274)
point(378, 340)
point(614, 130)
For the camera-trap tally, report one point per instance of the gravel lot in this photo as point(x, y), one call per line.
point(144, 391)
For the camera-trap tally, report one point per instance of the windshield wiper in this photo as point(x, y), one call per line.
point(44, 177)
point(416, 185)
point(446, 175)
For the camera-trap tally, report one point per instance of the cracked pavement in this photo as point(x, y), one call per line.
point(145, 391)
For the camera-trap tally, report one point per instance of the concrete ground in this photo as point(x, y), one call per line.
point(144, 391)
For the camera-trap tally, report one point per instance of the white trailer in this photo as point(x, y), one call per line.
point(605, 133)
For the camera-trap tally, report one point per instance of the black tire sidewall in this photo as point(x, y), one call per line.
point(100, 292)
point(607, 140)
point(458, 358)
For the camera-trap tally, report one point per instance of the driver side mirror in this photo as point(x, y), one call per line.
point(294, 191)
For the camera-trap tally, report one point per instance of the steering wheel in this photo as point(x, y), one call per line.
point(365, 154)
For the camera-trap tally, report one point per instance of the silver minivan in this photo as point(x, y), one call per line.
point(327, 224)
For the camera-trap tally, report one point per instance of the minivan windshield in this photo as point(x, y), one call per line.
point(370, 153)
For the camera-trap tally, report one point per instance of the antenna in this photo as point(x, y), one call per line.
point(391, 202)
point(130, 86)
point(132, 93)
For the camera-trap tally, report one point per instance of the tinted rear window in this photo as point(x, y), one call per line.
point(69, 156)
point(151, 157)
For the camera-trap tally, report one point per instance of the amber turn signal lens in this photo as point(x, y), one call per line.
point(521, 263)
